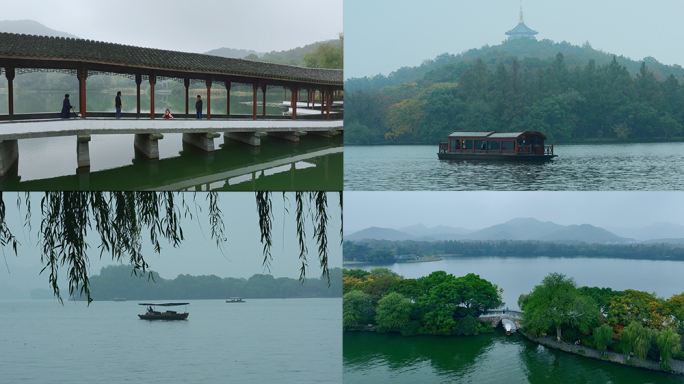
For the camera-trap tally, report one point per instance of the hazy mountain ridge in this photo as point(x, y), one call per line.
point(525, 229)
point(31, 27)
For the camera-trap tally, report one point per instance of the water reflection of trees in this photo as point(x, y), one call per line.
point(542, 365)
point(448, 356)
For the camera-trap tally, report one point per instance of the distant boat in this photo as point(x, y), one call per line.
point(491, 145)
point(153, 314)
point(508, 328)
point(235, 300)
point(119, 299)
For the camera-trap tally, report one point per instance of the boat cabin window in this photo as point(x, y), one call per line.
point(480, 144)
point(455, 144)
point(496, 145)
point(468, 144)
point(508, 145)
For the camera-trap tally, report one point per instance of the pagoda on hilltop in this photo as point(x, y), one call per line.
point(521, 30)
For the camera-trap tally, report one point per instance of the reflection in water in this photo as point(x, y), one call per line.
point(578, 167)
point(487, 358)
point(315, 163)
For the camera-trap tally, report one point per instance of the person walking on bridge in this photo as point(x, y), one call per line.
point(117, 105)
point(198, 107)
point(66, 107)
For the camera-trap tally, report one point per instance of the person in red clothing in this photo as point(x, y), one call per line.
point(167, 114)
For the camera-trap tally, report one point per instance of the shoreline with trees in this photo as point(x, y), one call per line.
point(627, 327)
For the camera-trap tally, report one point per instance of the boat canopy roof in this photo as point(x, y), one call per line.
point(493, 134)
point(164, 304)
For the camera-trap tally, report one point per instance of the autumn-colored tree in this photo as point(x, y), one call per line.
point(403, 120)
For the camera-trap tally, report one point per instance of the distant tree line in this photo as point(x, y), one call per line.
point(543, 50)
point(438, 304)
point(369, 251)
point(566, 103)
point(626, 322)
point(117, 281)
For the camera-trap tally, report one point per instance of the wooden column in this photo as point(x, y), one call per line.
point(263, 101)
point(208, 98)
point(153, 81)
point(323, 101)
point(228, 98)
point(138, 80)
point(293, 97)
point(254, 100)
point(82, 74)
point(313, 100)
point(186, 82)
point(308, 97)
point(327, 107)
point(9, 74)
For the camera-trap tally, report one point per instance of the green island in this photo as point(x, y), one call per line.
point(571, 94)
point(386, 251)
point(118, 281)
point(627, 327)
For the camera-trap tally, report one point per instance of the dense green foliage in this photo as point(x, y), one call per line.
point(557, 303)
point(567, 100)
point(525, 49)
point(361, 251)
point(326, 56)
point(635, 322)
point(439, 304)
point(117, 281)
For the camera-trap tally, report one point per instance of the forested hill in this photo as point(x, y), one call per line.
point(543, 50)
point(116, 281)
point(565, 102)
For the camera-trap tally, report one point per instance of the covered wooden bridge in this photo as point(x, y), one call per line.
point(83, 58)
point(21, 53)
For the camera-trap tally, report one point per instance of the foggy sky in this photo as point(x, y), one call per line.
point(198, 254)
point(188, 26)
point(384, 35)
point(477, 210)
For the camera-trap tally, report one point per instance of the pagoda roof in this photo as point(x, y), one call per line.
point(521, 29)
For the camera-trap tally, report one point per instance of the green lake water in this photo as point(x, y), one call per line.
point(489, 358)
point(314, 163)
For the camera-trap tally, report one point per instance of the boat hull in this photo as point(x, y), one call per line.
point(493, 157)
point(163, 316)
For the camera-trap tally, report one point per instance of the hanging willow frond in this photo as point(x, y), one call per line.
point(120, 218)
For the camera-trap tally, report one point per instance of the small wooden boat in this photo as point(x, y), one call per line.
point(508, 329)
point(491, 145)
point(153, 314)
point(235, 300)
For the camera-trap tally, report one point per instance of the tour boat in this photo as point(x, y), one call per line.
point(153, 314)
point(492, 145)
point(508, 328)
point(235, 300)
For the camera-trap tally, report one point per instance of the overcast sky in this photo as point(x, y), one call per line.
point(198, 255)
point(188, 26)
point(477, 210)
point(384, 35)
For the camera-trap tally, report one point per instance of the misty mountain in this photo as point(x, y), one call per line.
point(653, 231)
point(440, 230)
point(233, 53)
point(30, 27)
point(586, 233)
point(378, 234)
point(515, 229)
point(532, 50)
